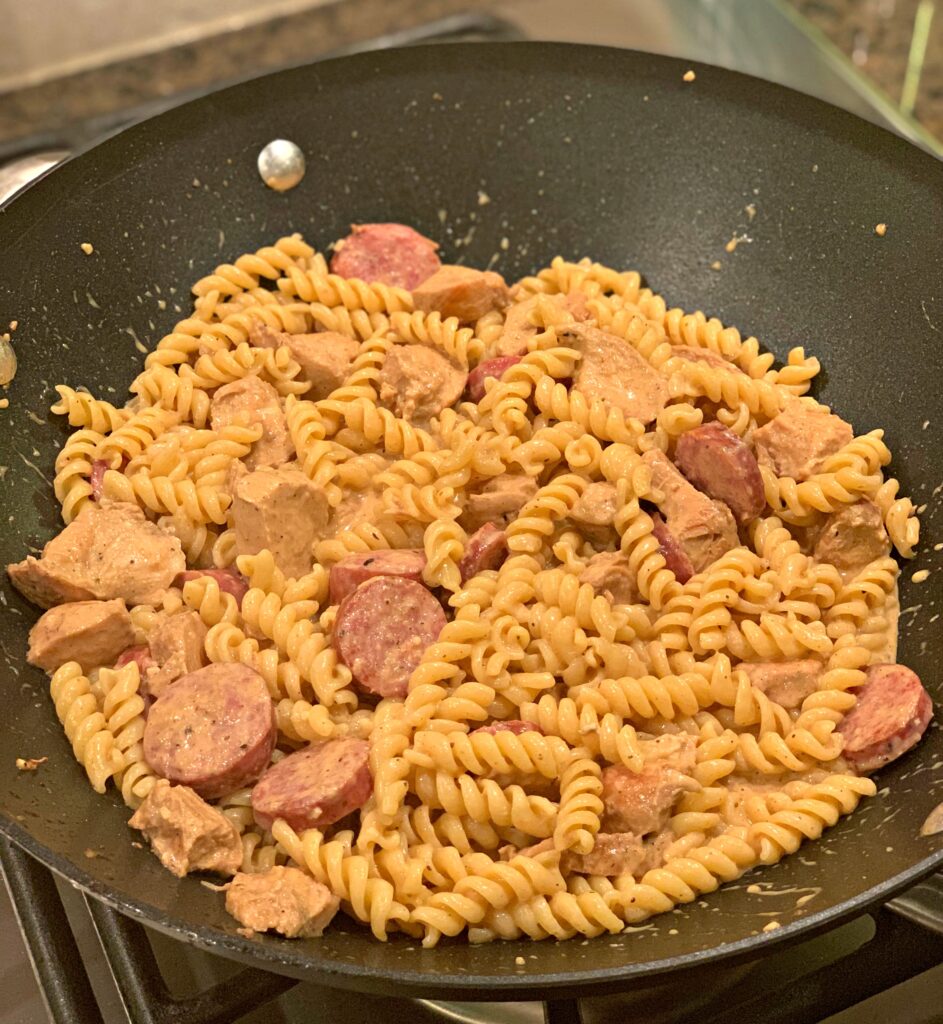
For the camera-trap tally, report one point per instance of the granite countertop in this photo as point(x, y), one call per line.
point(874, 34)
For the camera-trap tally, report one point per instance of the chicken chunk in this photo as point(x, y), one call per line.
point(325, 358)
point(176, 647)
point(595, 512)
point(417, 382)
point(282, 510)
point(461, 292)
point(186, 833)
point(642, 802)
point(283, 900)
point(107, 551)
point(250, 401)
point(798, 441)
point(852, 538)
point(613, 372)
point(609, 574)
point(519, 329)
point(786, 682)
point(498, 501)
point(93, 633)
point(704, 528)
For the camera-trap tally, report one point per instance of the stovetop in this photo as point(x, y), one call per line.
point(93, 965)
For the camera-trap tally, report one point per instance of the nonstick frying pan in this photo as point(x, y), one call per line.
point(508, 155)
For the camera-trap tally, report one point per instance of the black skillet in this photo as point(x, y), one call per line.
point(508, 155)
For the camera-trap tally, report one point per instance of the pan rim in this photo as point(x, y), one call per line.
point(278, 955)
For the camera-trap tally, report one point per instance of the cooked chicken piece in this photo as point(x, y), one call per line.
point(186, 833)
point(417, 382)
point(797, 441)
point(852, 538)
point(283, 900)
point(93, 633)
point(325, 358)
point(609, 574)
point(498, 501)
point(613, 372)
point(462, 292)
point(282, 510)
point(642, 802)
point(518, 328)
point(107, 551)
point(176, 645)
point(786, 682)
point(250, 401)
point(704, 528)
point(595, 512)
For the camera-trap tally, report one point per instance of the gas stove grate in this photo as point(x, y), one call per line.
point(798, 985)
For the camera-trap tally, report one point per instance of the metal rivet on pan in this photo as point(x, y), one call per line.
point(281, 165)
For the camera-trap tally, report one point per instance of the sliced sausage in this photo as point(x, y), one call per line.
point(892, 713)
point(514, 725)
point(484, 371)
point(391, 254)
point(140, 653)
point(316, 786)
point(353, 570)
point(213, 730)
point(382, 630)
point(674, 554)
point(229, 581)
point(97, 477)
point(487, 548)
point(720, 464)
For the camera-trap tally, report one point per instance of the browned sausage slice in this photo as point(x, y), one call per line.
point(316, 786)
point(721, 465)
point(386, 253)
point(140, 653)
point(213, 730)
point(514, 725)
point(487, 548)
point(382, 629)
point(892, 713)
point(229, 581)
point(353, 570)
point(675, 556)
point(97, 477)
point(483, 371)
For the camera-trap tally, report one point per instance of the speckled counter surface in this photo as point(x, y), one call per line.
point(874, 34)
point(282, 42)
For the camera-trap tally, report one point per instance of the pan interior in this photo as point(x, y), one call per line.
point(508, 155)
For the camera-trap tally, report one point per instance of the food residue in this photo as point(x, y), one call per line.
point(934, 822)
point(91, 854)
point(520, 961)
point(881, 230)
point(7, 360)
point(483, 198)
point(87, 248)
point(4, 403)
point(30, 764)
point(716, 265)
point(772, 926)
point(750, 210)
point(920, 575)
point(688, 76)
point(13, 325)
